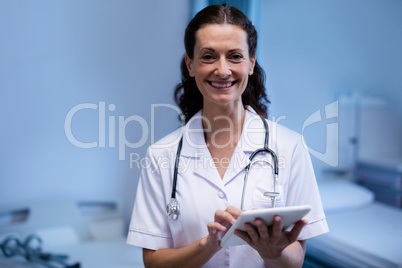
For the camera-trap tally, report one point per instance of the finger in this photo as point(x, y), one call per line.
point(262, 229)
point(235, 212)
point(251, 231)
point(222, 216)
point(214, 227)
point(294, 233)
point(243, 235)
point(277, 227)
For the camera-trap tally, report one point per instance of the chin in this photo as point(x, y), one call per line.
point(225, 102)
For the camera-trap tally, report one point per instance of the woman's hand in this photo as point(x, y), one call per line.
point(270, 241)
point(222, 221)
point(199, 252)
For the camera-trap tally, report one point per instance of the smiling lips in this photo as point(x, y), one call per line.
point(222, 84)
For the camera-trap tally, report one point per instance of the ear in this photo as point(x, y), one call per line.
point(189, 64)
point(253, 60)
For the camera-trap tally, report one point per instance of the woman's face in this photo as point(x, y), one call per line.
point(221, 63)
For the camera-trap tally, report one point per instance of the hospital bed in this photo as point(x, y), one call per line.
point(91, 231)
point(363, 232)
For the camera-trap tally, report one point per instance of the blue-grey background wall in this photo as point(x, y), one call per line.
point(125, 55)
point(315, 51)
point(56, 55)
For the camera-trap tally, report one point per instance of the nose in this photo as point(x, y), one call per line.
point(222, 69)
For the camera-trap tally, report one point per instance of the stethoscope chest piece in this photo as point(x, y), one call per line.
point(173, 209)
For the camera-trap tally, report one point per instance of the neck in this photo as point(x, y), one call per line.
point(223, 125)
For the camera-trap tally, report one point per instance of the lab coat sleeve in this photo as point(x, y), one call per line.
point(149, 225)
point(303, 190)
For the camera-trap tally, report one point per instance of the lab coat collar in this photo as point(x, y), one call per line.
point(253, 134)
point(252, 138)
point(193, 137)
point(194, 146)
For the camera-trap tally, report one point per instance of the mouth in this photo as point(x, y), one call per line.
point(222, 84)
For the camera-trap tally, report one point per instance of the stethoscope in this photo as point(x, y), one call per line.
point(173, 209)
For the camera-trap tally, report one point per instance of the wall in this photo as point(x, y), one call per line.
point(56, 55)
point(315, 51)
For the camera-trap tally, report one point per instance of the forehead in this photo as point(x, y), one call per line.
point(221, 36)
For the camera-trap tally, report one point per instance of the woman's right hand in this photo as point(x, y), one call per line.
point(197, 253)
point(222, 221)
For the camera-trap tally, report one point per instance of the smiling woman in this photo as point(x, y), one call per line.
point(224, 25)
point(221, 64)
point(182, 210)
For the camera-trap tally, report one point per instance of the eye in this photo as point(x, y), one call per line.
point(207, 57)
point(236, 57)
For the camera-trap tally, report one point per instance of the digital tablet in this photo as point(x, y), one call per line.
point(290, 215)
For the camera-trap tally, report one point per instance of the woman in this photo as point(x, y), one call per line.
point(222, 97)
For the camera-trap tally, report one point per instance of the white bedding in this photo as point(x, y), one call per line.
point(366, 234)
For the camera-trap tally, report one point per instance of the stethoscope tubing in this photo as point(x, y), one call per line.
point(176, 168)
point(173, 209)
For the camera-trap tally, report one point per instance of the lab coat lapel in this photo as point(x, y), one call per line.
point(253, 135)
point(252, 138)
point(238, 162)
point(205, 168)
point(194, 147)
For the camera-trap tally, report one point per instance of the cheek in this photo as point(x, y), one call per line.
point(201, 75)
point(244, 77)
point(242, 69)
point(200, 85)
point(243, 74)
point(203, 70)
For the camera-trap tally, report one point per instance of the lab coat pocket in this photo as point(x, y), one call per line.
point(262, 199)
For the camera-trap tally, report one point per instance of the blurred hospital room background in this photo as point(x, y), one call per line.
point(87, 86)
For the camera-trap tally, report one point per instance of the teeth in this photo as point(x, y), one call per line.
point(221, 85)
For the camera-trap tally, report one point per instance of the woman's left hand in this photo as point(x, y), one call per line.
point(270, 241)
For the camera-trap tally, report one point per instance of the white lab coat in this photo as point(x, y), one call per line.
point(201, 191)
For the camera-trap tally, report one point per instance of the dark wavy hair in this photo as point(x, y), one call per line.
point(187, 95)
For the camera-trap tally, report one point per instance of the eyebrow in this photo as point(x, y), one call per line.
point(213, 50)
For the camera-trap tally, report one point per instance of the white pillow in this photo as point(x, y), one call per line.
point(341, 195)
